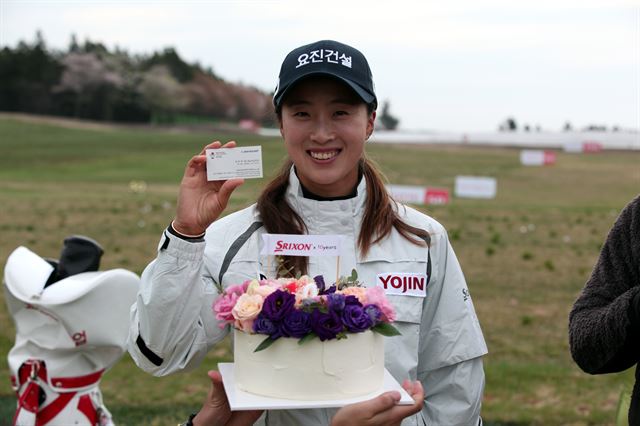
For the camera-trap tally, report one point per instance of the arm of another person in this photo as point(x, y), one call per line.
point(171, 322)
point(604, 323)
point(451, 344)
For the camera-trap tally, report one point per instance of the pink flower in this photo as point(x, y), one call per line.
point(376, 296)
point(238, 289)
point(262, 290)
point(246, 310)
point(223, 307)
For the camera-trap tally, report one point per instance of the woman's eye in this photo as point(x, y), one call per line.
point(300, 114)
point(341, 113)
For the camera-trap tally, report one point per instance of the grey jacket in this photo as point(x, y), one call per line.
point(173, 327)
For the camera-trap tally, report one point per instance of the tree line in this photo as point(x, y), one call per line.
point(91, 82)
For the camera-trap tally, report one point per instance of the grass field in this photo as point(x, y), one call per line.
point(526, 254)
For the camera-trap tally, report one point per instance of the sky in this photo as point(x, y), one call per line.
point(456, 65)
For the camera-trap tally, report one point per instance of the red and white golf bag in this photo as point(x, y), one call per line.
point(71, 326)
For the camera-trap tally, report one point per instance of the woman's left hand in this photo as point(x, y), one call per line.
point(382, 410)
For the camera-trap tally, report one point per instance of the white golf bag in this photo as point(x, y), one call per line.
point(71, 326)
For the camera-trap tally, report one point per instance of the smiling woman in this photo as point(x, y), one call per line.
point(325, 103)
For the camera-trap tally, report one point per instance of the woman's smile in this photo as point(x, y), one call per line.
point(324, 156)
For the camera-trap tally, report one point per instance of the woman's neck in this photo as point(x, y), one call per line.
point(310, 195)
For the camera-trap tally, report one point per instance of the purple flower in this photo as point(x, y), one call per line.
point(374, 313)
point(277, 305)
point(296, 324)
point(326, 326)
point(319, 279)
point(335, 301)
point(263, 325)
point(356, 319)
point(352, 300)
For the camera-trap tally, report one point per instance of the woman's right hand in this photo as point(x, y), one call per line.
point(201, 202)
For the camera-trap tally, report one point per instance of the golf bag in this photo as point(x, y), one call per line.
point(71, 326)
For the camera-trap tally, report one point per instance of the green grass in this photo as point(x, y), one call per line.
point(526, 254)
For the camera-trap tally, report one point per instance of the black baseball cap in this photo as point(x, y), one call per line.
point(327, 57)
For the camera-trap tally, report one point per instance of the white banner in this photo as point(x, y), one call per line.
point(531, 157)
point(302, 245)
point(407, 193)
point(475, 187)
point(418, 194)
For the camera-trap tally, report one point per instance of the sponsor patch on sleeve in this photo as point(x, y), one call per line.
point(403, 283)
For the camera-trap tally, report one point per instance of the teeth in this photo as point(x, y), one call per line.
point(323, 155)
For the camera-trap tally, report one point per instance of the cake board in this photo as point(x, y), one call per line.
point(240, 400)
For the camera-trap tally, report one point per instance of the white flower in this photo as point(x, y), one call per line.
point(308, 291)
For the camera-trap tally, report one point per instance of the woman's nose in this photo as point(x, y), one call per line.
point(323, 131)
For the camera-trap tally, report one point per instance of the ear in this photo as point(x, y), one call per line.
point(281, 129)
point(370, 124)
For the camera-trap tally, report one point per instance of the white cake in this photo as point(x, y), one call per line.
point(315, 370)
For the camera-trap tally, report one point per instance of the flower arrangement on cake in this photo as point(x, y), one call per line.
point(305, 308)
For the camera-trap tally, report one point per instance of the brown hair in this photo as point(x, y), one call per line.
point(380, 216)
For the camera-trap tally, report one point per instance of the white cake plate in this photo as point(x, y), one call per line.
point(240, 400)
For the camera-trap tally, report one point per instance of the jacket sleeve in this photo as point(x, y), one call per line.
point(171, 323)
point(603, 324)
point(451, 344)
point(454, 394)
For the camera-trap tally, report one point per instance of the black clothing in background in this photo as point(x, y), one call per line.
point(604, 324)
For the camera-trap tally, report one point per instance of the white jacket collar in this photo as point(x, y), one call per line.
point(301, 204)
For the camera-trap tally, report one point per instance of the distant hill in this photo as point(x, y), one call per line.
point(89, 81)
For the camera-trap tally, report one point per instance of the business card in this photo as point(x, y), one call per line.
point(240, 162)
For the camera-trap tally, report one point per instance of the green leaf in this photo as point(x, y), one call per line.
point(341, 335)
point(386, 329)
point(307, 338)
point(354, 275)
point(265, 344)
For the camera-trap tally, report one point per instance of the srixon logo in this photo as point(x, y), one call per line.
point(281, 245)
point(407, 284)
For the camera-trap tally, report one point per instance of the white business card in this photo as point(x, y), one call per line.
point(240, 162)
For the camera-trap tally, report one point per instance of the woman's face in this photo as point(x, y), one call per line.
point(325, 125)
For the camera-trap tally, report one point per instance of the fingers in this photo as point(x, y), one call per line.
point(236, 418)
point(382, 402)
point(418, 392)
point(415, 390)
point(218, 396)
point(394, 414)
point(226, 189)
point(218, 144)
point(199, 161)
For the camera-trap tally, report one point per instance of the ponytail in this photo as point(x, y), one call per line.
point(278, 217)
point(381, 213)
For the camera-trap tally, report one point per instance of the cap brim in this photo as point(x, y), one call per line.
point(362, 93)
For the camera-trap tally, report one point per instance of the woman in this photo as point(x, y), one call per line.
point(325, 102)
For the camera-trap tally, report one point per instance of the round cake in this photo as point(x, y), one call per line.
point(315, 370)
